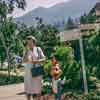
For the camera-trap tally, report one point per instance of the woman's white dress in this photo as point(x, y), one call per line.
point(32, 85)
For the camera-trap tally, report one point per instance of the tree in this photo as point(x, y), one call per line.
point(48, 38)
point(8, 38)
point(7, 27)
point(83, 19)
point(7, 7)
point(70, 24)
point(92, 50)
point(89, 18)
point(2, 55)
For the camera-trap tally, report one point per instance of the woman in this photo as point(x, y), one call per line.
point(33, 85)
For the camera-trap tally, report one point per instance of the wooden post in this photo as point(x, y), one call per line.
point(83, 65)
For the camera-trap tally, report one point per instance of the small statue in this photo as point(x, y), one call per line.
point(55, 73)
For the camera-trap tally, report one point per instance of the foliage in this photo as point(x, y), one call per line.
point(70, 24)
point(85, 19)
point(92, 49)
point(46, 89)
point(8, 41)
point(47, 66)
point(2, 55)
point(7, 6)
point(48, 38)
point(66, 56)
point(8, 28)
point(4, 80)
point(75, 45)
point(89, 18)
point(69, 66)
point(93, 95)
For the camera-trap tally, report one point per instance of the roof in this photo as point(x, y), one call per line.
point(75, 34)
point(70, 35)
point(97, 6)
point(87, 26)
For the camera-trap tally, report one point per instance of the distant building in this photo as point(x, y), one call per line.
point(70, 35)
point(88, 26)
point(75, 34)
point(97, 9)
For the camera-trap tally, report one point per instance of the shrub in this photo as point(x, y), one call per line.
point(69, 66)
point(4, 80)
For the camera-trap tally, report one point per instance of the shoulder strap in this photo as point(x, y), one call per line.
point(39, 54)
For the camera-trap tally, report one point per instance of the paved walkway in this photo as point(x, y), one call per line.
point(12, 92)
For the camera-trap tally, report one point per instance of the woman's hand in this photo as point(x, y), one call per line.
point(41, 61)
point(26, 57)
point(27, 48)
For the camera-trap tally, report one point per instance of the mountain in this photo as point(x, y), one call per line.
point(59, 12)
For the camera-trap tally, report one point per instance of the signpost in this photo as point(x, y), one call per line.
point(76, 34)
point(83, 65)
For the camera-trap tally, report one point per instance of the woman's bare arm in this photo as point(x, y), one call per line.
point(25, 58)
point(40, 61)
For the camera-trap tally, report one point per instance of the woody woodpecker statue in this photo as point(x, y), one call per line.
point(56, 83)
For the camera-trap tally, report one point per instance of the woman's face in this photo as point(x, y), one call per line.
point(30, 43)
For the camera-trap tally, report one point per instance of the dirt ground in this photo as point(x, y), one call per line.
point(15, 92)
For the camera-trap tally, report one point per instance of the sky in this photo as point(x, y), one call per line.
point(32, 4)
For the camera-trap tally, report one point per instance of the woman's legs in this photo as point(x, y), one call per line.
point(38, 96)
point(28, 96)
point(34, 96)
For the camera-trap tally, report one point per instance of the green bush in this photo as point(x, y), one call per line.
point(4, 80)
point(69, 66)
point(93, 95)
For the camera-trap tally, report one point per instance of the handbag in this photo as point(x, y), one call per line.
point(37, 69)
